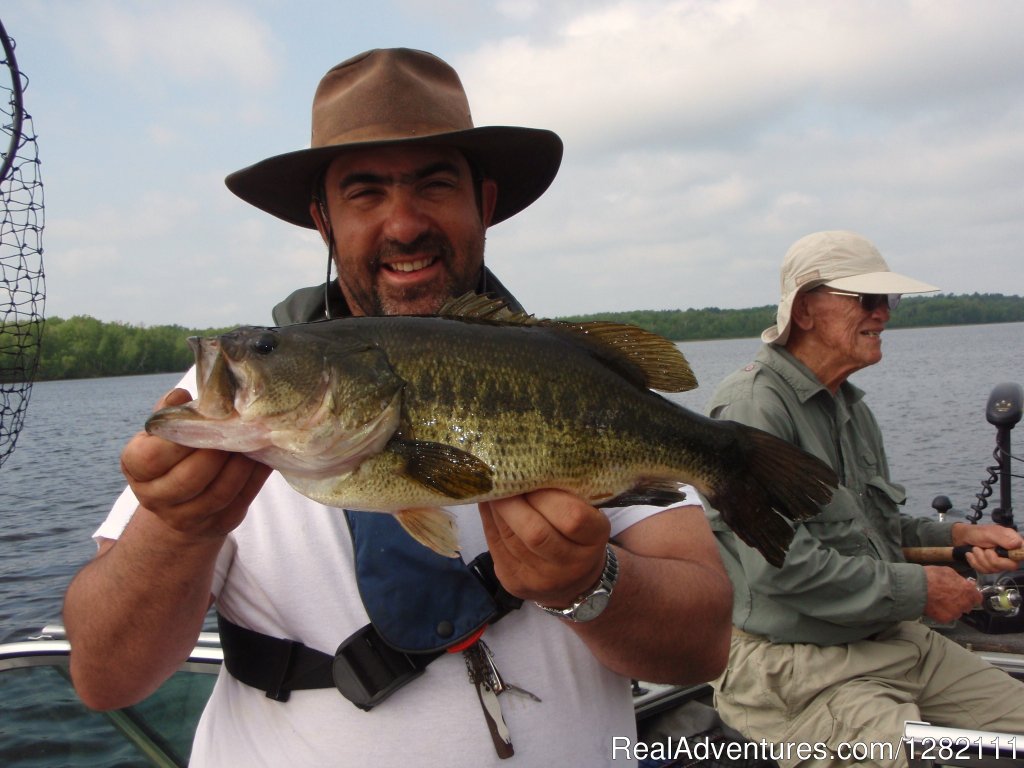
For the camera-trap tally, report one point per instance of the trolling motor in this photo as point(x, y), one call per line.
point(1000, 610)
point(1001, 599)
point(1004, 412)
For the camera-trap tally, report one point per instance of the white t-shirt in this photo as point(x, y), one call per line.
point(287, 571)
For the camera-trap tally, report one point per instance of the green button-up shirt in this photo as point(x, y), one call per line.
point(845, 577)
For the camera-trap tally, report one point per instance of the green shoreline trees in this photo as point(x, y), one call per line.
point(83, 347)
point(913, 312)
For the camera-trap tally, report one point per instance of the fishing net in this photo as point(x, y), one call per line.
point(22, 291)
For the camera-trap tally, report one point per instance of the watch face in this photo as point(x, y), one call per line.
point(592, 607)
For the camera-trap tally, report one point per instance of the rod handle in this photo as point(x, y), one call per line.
point(926, 555)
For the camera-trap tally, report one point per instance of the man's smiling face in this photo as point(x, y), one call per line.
point(408, 229)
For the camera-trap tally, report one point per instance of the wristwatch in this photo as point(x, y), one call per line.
point(591, 604)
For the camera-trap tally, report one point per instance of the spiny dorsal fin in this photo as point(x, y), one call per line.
point(643, 357)
point(477, 306)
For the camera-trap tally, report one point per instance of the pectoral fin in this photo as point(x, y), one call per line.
point(432, 527)
point(443, 468)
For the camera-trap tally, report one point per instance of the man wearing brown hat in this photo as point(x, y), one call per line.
point(402, 187)
point(827, 651)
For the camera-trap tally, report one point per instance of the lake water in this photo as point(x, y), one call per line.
point(929, 394)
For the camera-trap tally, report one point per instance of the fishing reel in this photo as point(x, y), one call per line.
point(1000, 599)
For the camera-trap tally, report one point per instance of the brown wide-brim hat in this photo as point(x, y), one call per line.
point(399, 96)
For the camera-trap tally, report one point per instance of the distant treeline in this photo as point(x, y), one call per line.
point(83, 347)
point(913, 312)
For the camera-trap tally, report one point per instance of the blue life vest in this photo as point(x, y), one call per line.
point(417, 600)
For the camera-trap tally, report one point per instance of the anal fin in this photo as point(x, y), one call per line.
point(432, 527)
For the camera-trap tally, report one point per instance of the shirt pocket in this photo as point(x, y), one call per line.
point(885, 499)
point(840, 527)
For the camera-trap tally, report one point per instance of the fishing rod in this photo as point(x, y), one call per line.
point(946, 555)
point(1002, 599)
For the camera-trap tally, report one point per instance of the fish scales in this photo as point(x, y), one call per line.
point(473, 387)
point(409, 414)
point(528, 420)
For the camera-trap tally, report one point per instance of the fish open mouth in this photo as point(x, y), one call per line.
point(215, 382)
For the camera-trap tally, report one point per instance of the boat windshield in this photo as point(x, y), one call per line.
point(43, 723)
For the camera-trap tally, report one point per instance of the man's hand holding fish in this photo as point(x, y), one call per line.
point(539, 537)
point(199, 492)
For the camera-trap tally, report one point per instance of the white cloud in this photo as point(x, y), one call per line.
point(518, 10)
point(722, 131)
point(190, 41)
point(702, 138)
point(695, 70)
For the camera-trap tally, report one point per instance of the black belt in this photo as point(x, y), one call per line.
point(364, 668)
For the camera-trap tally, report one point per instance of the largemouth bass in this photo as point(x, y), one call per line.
point(409, 414)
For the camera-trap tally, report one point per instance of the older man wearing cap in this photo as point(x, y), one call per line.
point(402, 187)
point(828, 649)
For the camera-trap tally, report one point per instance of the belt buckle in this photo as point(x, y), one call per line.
point(366, 670)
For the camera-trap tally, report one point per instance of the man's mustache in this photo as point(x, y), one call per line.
point(430, 244)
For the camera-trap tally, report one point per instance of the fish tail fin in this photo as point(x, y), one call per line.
point(432, 527)
point(777, 482)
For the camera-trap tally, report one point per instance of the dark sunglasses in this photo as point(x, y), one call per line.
point(869, 302)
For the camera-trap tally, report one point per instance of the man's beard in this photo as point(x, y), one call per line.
point(426, 299)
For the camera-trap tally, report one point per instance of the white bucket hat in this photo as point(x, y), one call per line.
point(839, 259)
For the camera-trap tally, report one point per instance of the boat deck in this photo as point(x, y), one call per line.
point(975, 640)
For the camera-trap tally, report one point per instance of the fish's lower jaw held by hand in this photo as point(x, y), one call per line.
point(433, 527)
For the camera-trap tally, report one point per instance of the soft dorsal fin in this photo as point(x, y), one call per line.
point(651, 360)
point(641, 356)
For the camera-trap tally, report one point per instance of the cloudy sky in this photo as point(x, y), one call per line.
point(702, 138)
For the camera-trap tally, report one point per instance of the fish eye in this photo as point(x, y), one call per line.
point(265, 343)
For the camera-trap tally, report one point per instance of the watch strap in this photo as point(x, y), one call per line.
point(603, 588)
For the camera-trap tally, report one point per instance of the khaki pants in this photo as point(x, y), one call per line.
point(849, 698)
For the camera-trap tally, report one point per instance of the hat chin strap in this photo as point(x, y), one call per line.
point(319, 198)
point(327, 283)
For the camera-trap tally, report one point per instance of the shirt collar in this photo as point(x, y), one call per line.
point(804, 383)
